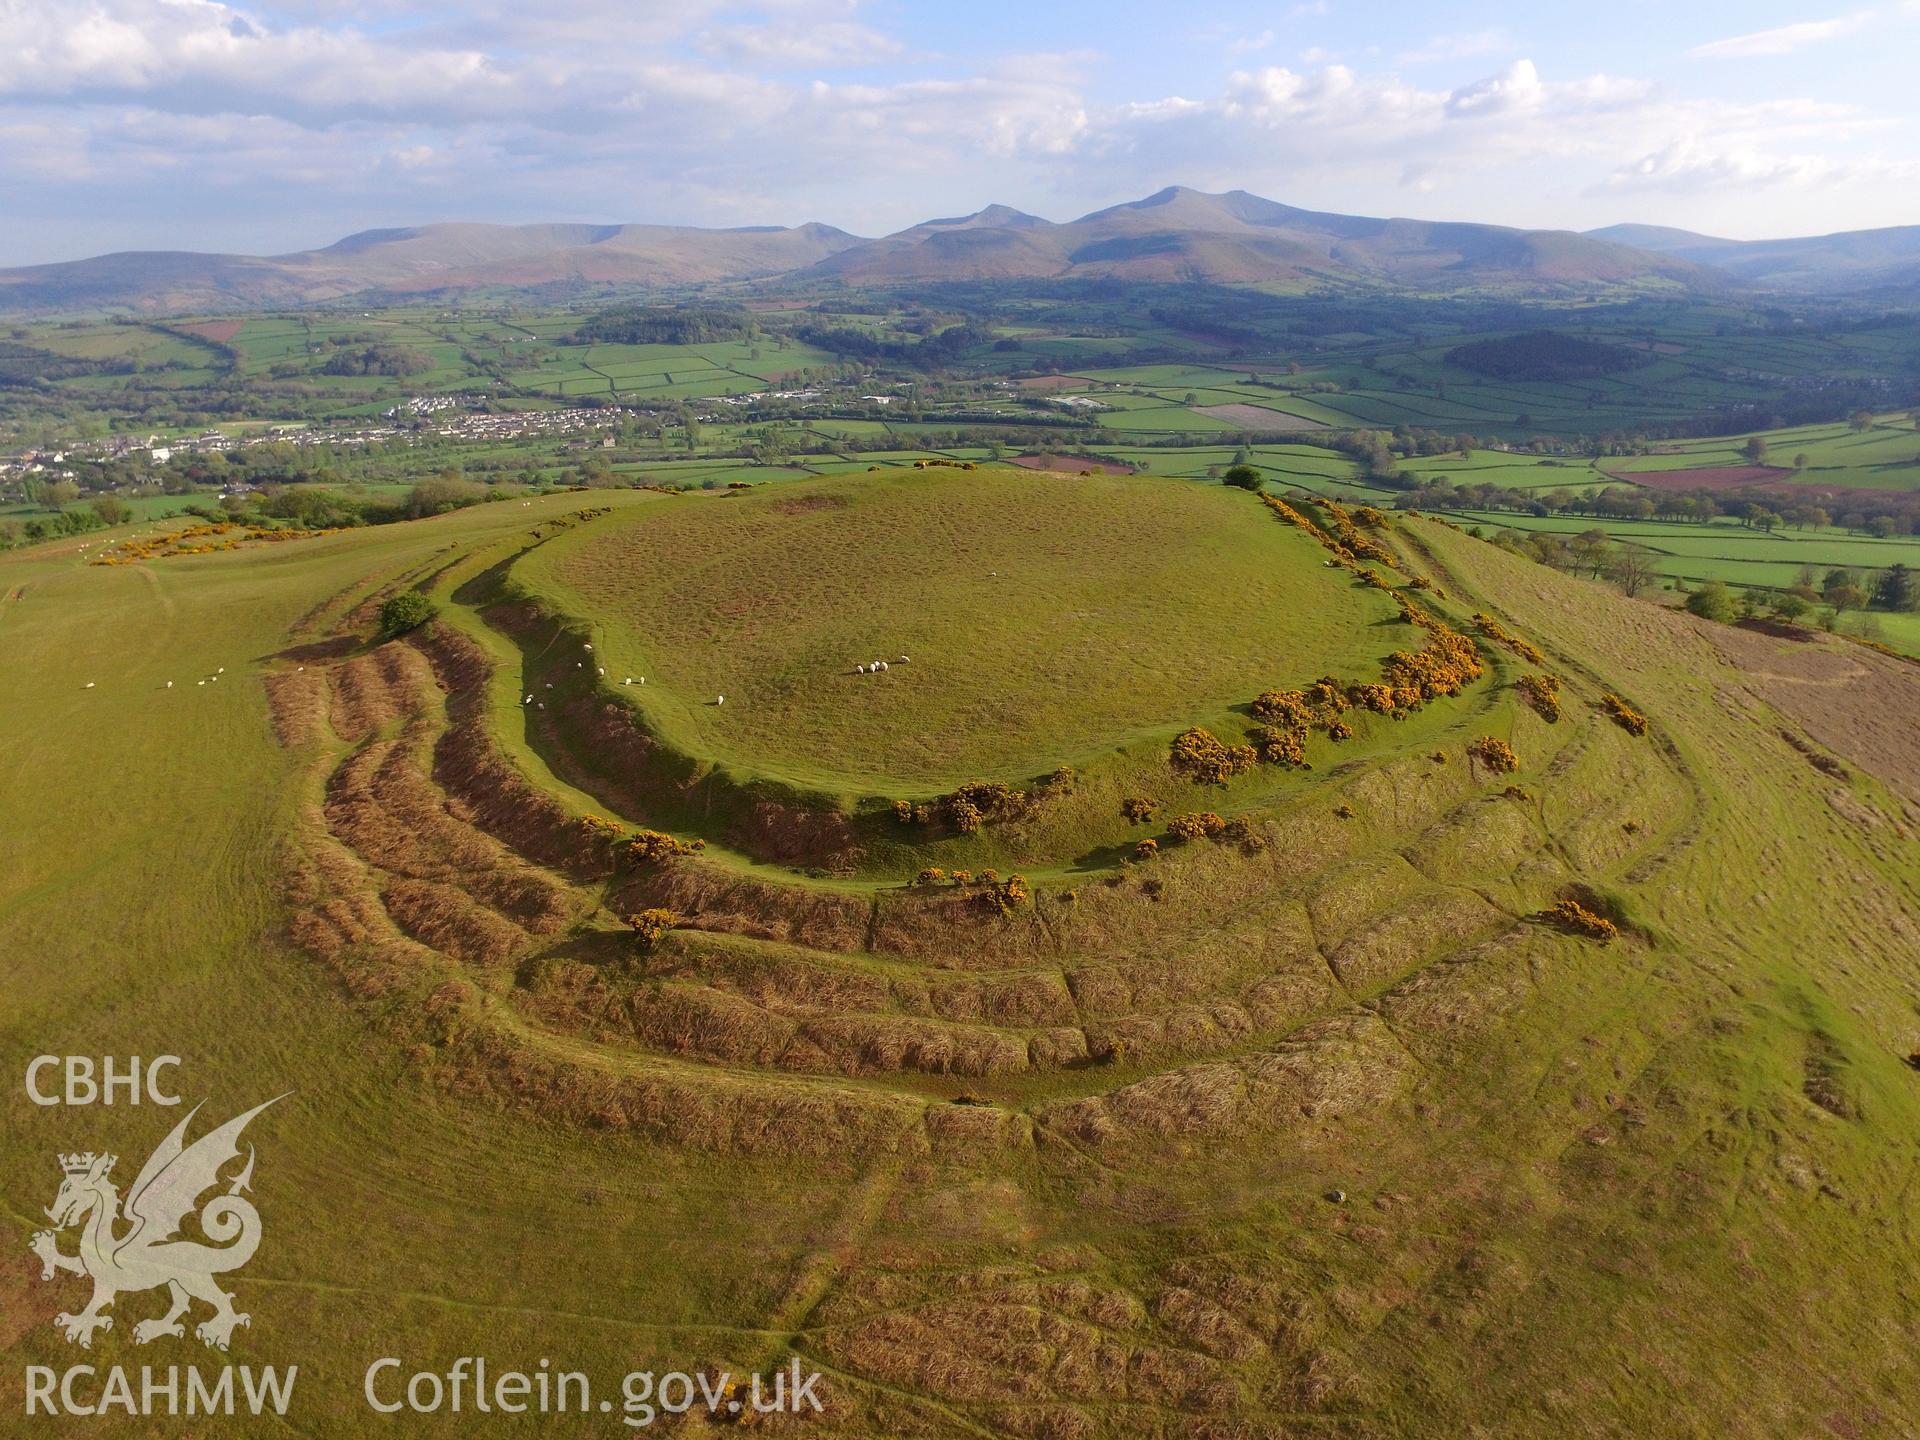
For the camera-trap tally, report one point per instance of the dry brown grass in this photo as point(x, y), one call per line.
point(1328, 1069)
point(372, 691)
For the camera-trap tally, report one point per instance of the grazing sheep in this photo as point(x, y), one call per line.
point(589, 649)
point(528, 700)
point(88, 685)
point(627, 681)
point(901, 661)
point(169, 684)
point(601, 669)
point(719, 699)
point(199, 682)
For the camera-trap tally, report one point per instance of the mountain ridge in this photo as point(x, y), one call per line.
point(1176, 234)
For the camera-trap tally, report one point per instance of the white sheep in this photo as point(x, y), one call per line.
point(529, 699)
point(601, 669)
point(719, 699)
point(901, 661)
point(627, 681)
point(589, 649)
point(88, 685)
point(169, 684)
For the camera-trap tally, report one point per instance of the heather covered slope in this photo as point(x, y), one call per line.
point(1657, 1186)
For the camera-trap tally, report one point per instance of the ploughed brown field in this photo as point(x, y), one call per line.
point(1710, 477)
point(1770, 478)
point(1073, 464)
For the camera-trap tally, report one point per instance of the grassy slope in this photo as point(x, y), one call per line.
point(137, 916)
point(1615, 1212)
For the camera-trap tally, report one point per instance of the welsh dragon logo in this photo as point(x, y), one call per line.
point(140, 1246)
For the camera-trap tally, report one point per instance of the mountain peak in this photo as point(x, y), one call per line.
point(991, 217)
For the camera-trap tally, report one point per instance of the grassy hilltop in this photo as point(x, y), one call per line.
point(1043, 619)
point(1426, 1095)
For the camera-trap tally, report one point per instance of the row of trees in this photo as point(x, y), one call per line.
point(1840, 591)
point(1635, 568)
point(1894, 515)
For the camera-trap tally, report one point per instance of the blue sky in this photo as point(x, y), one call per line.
point(283, 124)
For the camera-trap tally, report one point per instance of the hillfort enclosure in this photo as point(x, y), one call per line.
point(1203, 819)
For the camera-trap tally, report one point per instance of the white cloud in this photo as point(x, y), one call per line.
point(1781, 41)
point(339, 114)
point(803, 46)
point(1471, 45)
point(1692, 166)
point(1517, 87)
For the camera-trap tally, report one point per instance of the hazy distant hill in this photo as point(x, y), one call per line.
point(1174, 235)
point(1237, 238)
point(420, 260)
point(1851, 262)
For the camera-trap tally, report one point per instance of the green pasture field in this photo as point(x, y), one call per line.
point(1885, 456)
point(1724, 550)
point(1014, 594)
point(141, 912)
point(1459, 1178)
